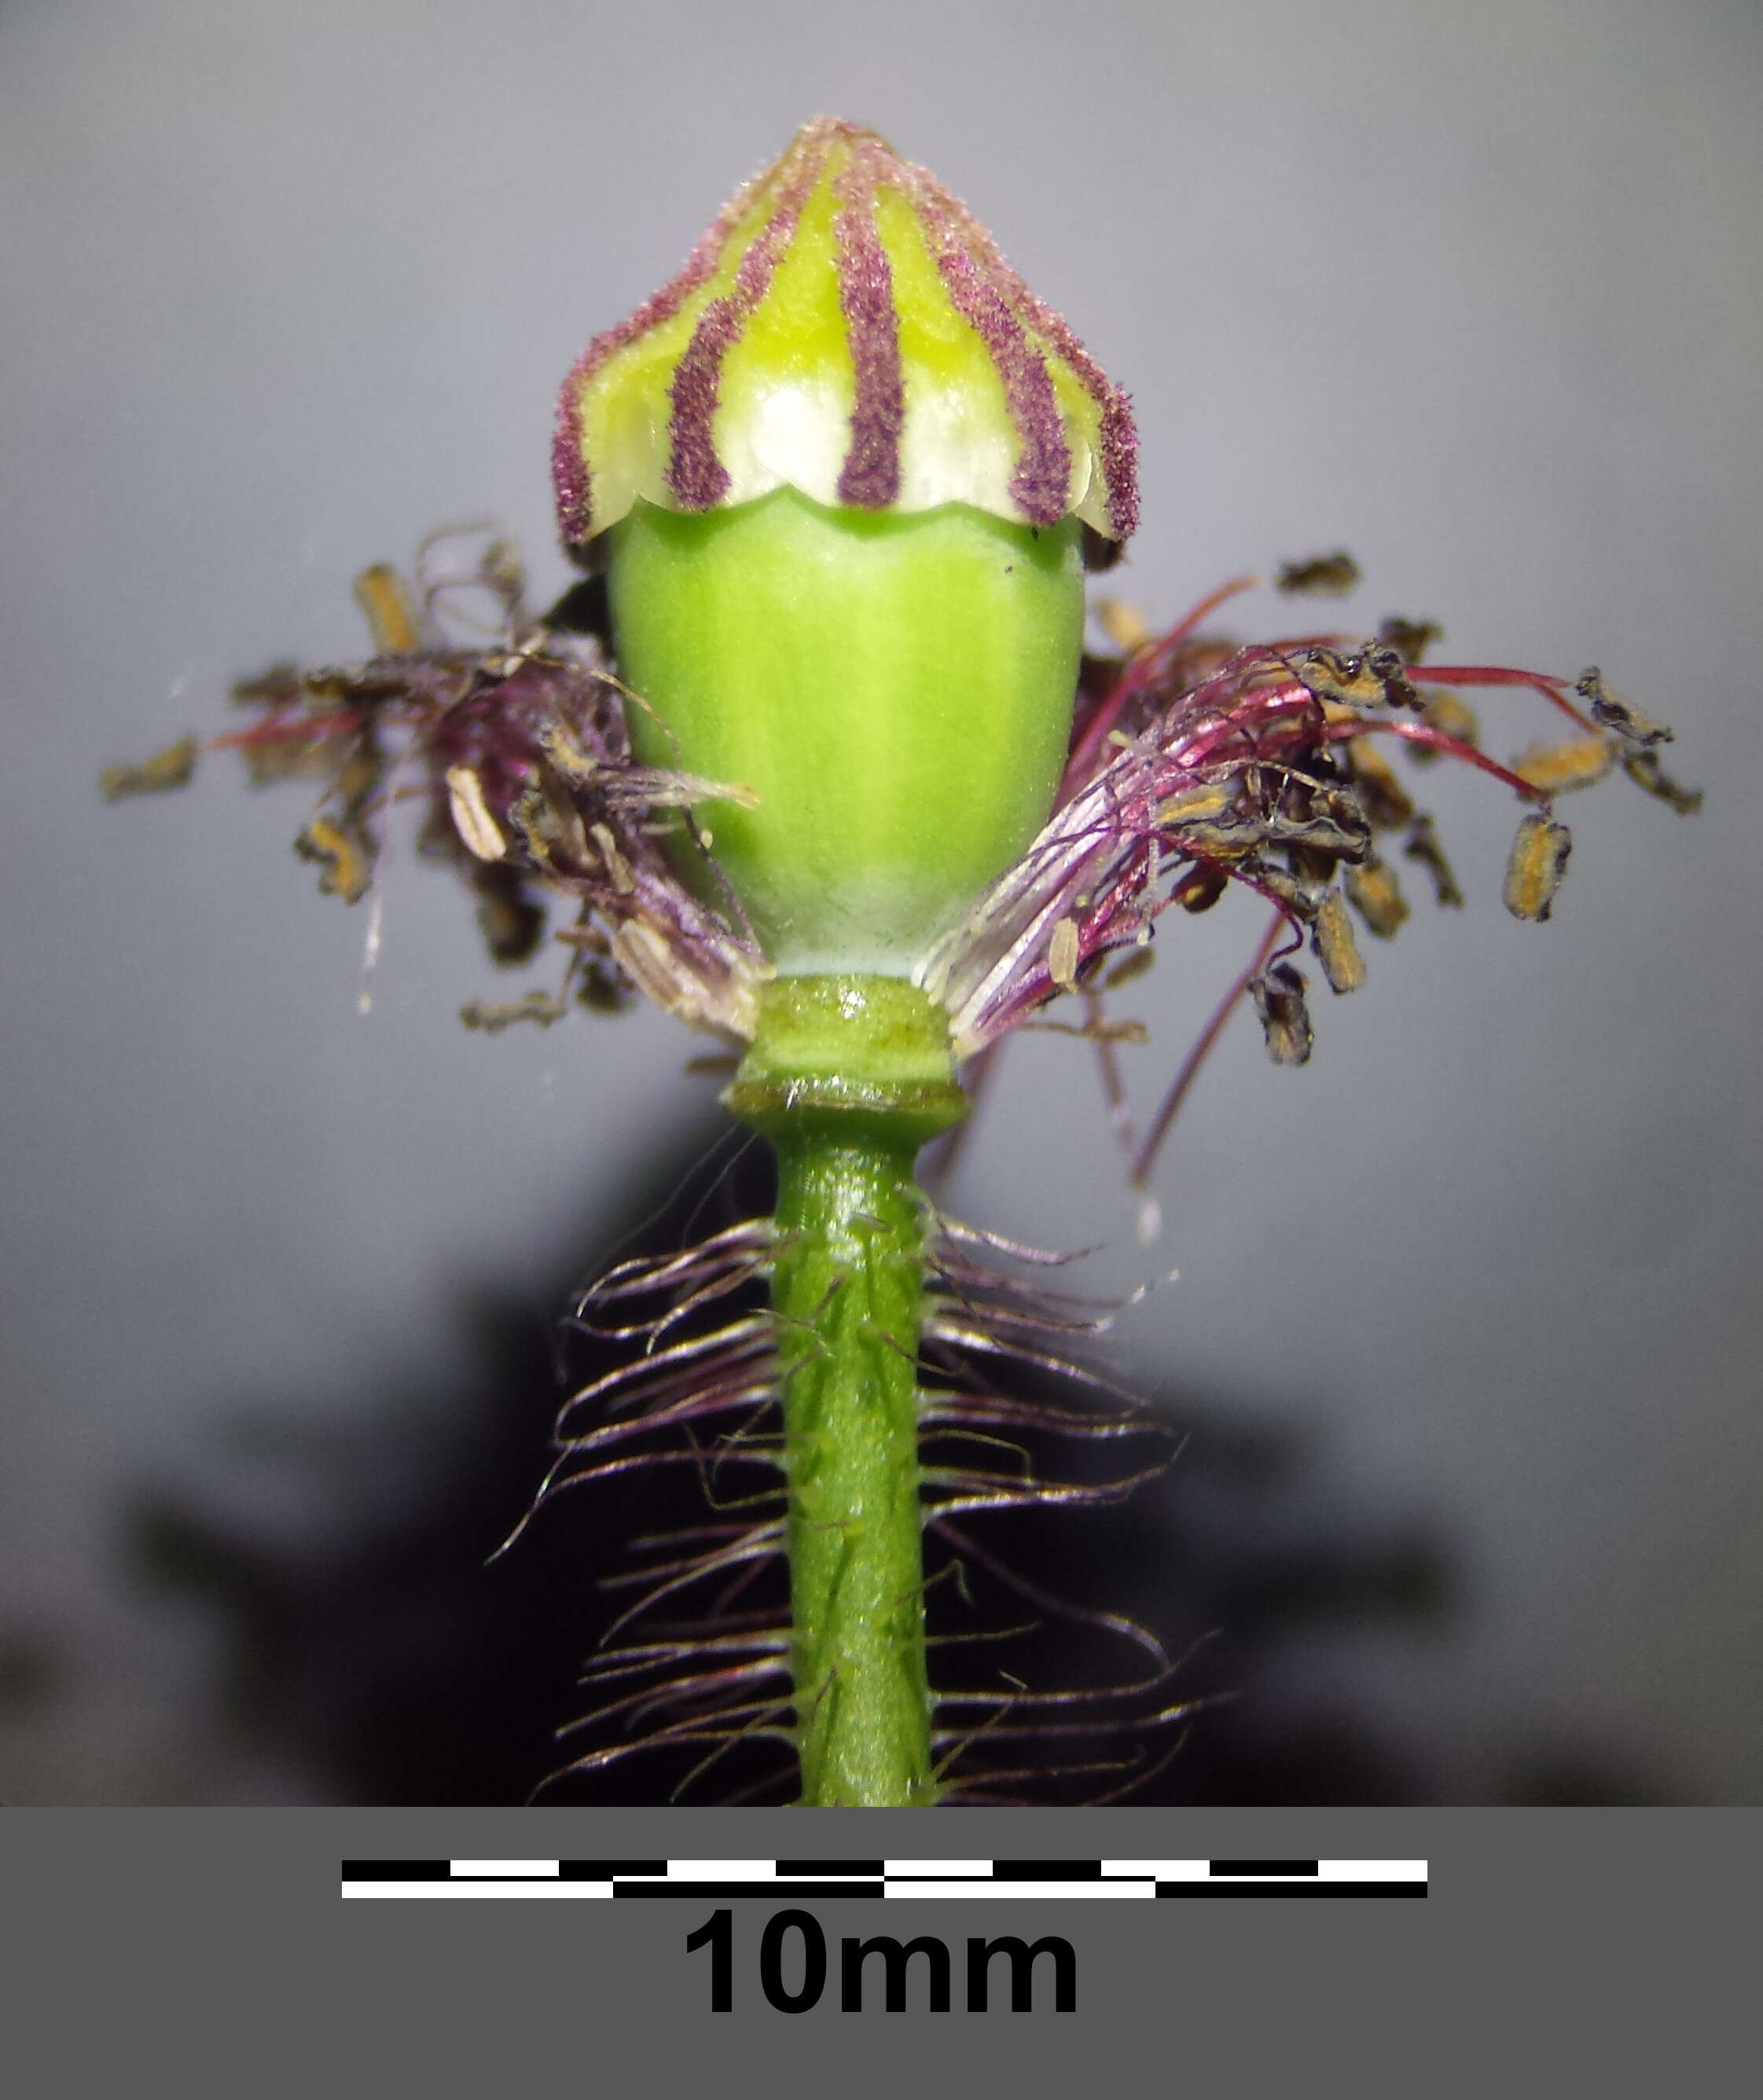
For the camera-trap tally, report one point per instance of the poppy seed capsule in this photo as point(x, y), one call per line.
point(839, 471)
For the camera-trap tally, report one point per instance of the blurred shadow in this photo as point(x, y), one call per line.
point(385, 1654)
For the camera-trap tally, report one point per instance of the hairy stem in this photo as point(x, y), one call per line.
point(848, 1077)
point(848, 1280)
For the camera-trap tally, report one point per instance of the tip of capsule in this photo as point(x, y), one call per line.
point(846, 328)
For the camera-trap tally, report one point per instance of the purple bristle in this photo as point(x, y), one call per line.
point(696, 476)
point(870, 477)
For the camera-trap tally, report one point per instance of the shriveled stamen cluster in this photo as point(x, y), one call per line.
point(539, 774)
point(1196, 764)
point(518, 741)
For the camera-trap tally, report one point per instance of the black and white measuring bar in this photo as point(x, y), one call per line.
point(915, 1879)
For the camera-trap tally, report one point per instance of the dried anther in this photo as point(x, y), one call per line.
point(617, 867)
point(1062, 953)
point(1125, 625)
point(1381, 796)
point(1410, 638)
point(1278, 997)
point(541, 1007)
point(391, 618)
point(471, 819)
point(511, 922)
point(1611, 711)
point(1337, 951)
point(166, 769)
point(1137, 964)
point(1200, 887)
point(1195, 806)
point(1374, 893)
point(344, 854)
point(1329, 576)
point(1367, 677)
point(1422, 845)
point(280, 685)
point(1557, 768)
point(1539, 860)
point(1644, 769)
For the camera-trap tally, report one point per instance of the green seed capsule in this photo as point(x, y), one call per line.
point(897, 690)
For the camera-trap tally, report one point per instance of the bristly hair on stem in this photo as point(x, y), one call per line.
point(693, 1675)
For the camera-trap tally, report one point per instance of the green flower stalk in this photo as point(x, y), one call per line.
point(818, 757)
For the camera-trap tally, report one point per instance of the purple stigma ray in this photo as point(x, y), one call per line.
point(1119, 436)
point(570, 477)
point(695, 473)
point(870, 477)
point(1042, 479)
point(696, 476)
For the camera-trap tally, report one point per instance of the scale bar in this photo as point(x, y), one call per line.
point(722, 1880)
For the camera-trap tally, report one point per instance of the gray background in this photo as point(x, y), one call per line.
point(1474, 293)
